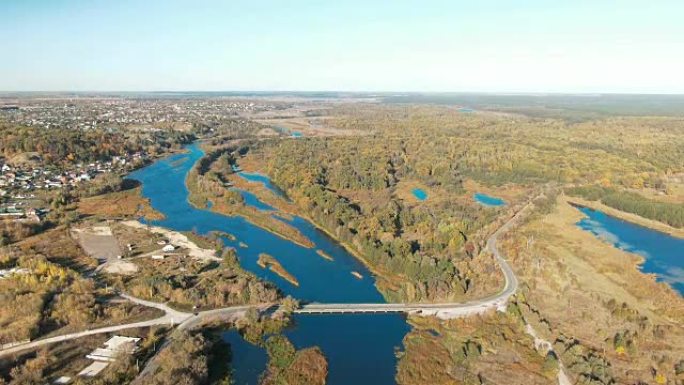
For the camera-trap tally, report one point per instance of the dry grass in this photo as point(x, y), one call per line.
point(500, 353)
point(128, 203)
point(569, 277)
point(268, 261)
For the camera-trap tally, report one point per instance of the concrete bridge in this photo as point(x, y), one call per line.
point(440, 310)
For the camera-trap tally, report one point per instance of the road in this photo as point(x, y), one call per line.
point(223, 315)
point(188, 320)
point(171, 318)
point(441, 310)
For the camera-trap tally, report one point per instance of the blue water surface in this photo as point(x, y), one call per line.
point(419, 193)
point(253, 200)
point(487, 200)
point(163, 182)
point(663, 253)
point(250, 359)
point(264, 180)
point(341, 336)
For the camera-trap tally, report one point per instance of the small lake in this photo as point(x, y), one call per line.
point(663, 253)
point(488, 200)
point(360, 348)
point(420, 194)
point(287, 131)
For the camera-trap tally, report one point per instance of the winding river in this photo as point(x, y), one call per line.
point(360, 348)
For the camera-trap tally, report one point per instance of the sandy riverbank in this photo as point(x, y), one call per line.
point(179, 240)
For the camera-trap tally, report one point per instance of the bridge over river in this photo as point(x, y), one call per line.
point(441, 310)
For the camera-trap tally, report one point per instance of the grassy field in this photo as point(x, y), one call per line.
point(574, 285)
point(128, 203)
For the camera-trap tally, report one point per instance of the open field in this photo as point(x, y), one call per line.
point(179, 240)
point(127, 203)
point(99, 242)
point(576, 286)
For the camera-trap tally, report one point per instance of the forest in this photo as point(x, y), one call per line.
point(631, 202)
point(356, 187)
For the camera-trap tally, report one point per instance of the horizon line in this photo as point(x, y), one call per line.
point(509, 93)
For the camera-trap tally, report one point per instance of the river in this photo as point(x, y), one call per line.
point(663, 254)
point(360, 348)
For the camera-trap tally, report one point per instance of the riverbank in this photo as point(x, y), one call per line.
point(562, 266)
point(198, 199)
point(126, 203)
point(392, 287)
point(629, 217)
point(178, 239)
point(383, 281)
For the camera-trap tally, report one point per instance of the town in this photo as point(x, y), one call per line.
point(133, 112)
point(21, 185)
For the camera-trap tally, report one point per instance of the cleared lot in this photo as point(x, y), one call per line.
point(99, 243)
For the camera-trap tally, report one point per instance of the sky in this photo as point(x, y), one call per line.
point(576, 46)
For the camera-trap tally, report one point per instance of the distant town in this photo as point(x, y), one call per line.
point(112, 113)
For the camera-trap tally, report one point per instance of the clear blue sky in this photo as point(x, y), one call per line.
point(476, 45)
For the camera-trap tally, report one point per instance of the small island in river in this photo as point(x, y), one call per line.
point(270, 262)
point(324, 255)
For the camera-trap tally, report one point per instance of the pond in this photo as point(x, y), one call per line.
point(360, 348)
point(419, 193)
point(663, 254)
point(488, 200)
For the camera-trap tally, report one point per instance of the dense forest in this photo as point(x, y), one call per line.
point(351, 187)
point(631, 151)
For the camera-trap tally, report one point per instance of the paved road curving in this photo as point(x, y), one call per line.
point(171, 318)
